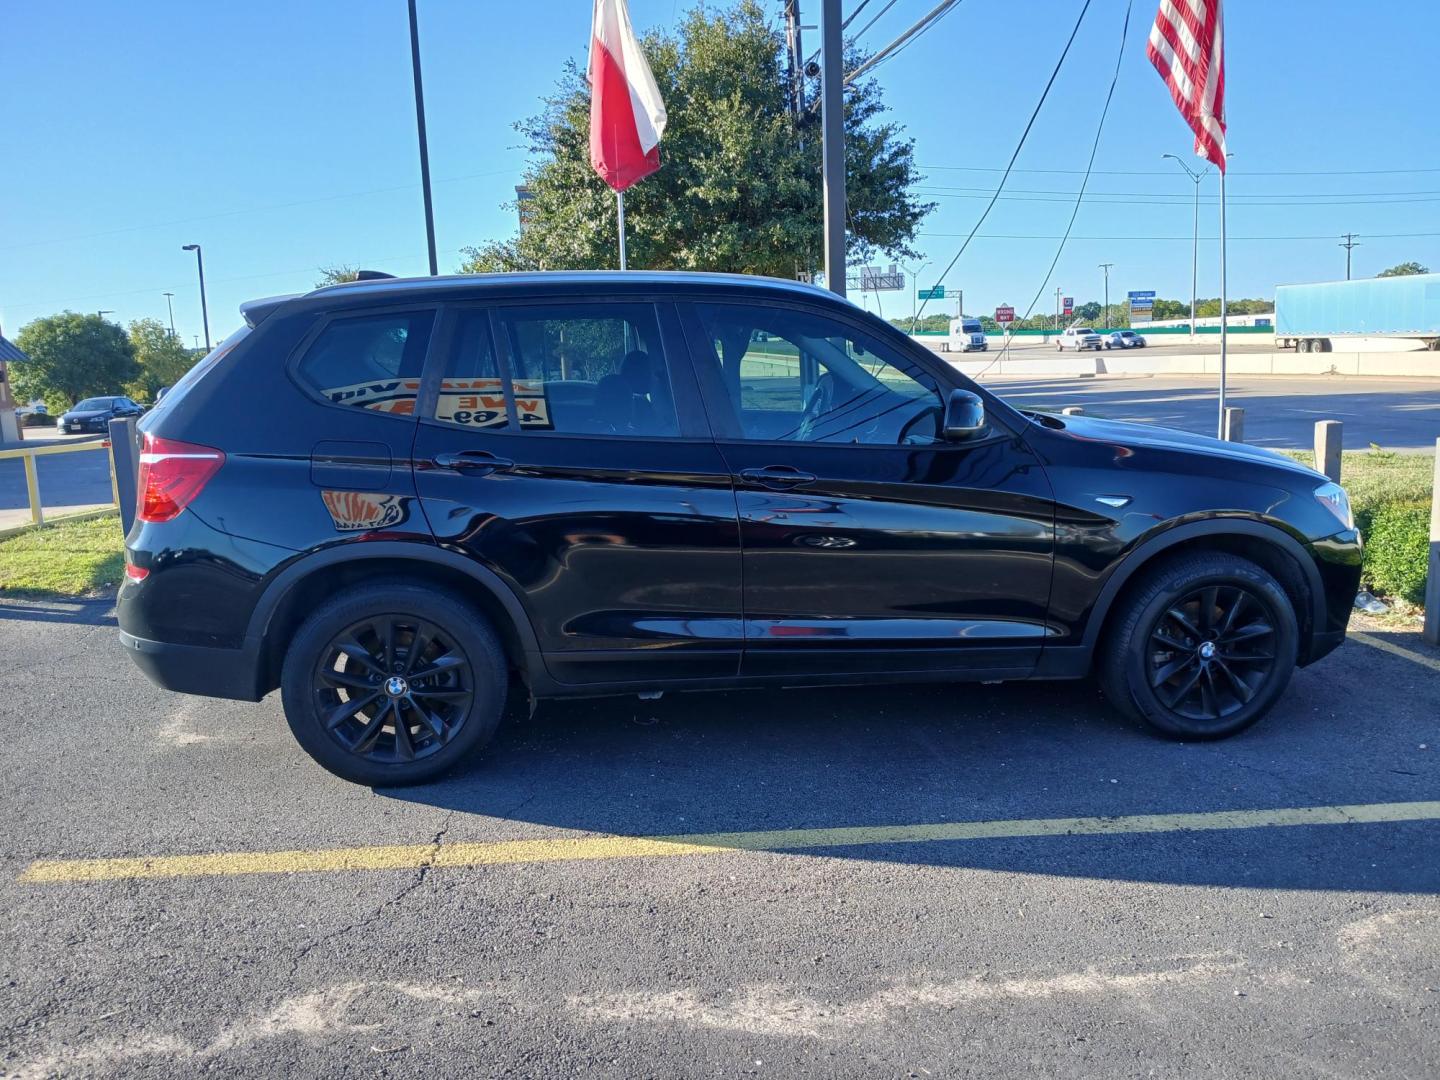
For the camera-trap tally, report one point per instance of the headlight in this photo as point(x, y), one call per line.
point(1332, 496)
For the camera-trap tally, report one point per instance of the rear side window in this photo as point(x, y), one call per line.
point(370, 361)
point(589, 369)
point(470, 392)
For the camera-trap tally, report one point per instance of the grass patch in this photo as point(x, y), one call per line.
point(1390, 494)
point(67, 558)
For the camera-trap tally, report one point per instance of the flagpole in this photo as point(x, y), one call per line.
point(1220, 422)
point(620, 222)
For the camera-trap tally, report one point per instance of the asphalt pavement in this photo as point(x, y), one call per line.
point(1028, 885)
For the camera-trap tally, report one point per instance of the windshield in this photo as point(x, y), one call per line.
point(972, 326)
point(91, 404)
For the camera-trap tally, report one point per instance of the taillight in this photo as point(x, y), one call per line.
point(172, 473)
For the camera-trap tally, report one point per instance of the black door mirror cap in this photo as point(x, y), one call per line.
point(964, 416)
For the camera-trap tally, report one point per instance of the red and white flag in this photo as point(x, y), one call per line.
point(627, 116)
point(1187, 47)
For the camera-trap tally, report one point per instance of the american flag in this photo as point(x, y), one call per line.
point(1187, 47)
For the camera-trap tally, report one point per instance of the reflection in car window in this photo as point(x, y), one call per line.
point(470, 391)
point(589, 368)
point(372, 362)
point(797, 376)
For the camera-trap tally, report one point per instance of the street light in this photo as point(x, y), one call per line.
point(915, 291)
point(171, 308)
point(1195, 244)
point(102, 314)
point(1106, 312)
point(204, 312)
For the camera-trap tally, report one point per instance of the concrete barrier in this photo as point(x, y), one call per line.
point(1393, 365)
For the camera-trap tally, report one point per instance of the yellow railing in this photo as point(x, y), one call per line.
point(28, 454)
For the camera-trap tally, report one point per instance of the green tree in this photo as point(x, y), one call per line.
point(162, 357)
point(1404, 269)
point(739, 184)
point(71, 357)
point(337, 275)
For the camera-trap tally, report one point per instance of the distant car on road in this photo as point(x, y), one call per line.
point(1124, 339)
point(603, 483)
point(1079, 337)
point(95, 414)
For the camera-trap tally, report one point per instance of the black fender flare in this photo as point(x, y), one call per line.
point(392, 550)
point(1143, 553)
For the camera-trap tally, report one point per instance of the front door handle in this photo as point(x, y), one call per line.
point(473, 461)
point(777, 476)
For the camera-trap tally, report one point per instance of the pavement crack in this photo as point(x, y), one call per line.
point(427, 860)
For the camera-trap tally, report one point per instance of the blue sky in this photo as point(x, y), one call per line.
point(280, 135)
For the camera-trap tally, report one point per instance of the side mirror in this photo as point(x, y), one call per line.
point(964, 416)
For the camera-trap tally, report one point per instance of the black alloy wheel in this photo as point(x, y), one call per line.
point(1211, 653)
point(393, 688)
point(394, 682)
point(1200, 646)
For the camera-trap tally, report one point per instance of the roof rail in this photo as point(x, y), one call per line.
point(371, 275)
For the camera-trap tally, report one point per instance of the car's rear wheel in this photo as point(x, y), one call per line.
point(1202, 647)
point(390, 684)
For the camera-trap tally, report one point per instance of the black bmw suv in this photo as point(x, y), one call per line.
point(396, 499)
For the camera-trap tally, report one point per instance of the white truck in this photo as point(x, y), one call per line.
point(967, 335)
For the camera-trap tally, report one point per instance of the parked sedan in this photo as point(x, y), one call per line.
point(1124, 339)
point(95, 414)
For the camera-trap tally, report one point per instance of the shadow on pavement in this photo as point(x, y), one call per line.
point(96, 612)
point(723, 762)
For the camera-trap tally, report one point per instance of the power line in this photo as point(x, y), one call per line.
point(878, 16)
point(1018, 147)
point(1100, 200)
point(1187, 198)
point(1080, 195)
point(855, 14)
point(1187, 239)
point(907, 38)
point(1162, 172)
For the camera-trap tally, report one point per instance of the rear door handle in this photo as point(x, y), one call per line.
point(473, 461)
point(777, 476)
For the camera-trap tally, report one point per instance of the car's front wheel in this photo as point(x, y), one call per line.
point(1202, 647)
point(393, 683)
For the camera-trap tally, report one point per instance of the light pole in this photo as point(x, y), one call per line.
point(1106, 310)
point(424, 143)
point(102, 314)
point(204, 312)
point(1195, 244)
point(170, 307)
point(915, 292)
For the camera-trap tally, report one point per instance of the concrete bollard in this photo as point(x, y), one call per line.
point(1329, 439)
point(1431, 632)
point(1234, 425)
point(125, 469)
point(1072, 410)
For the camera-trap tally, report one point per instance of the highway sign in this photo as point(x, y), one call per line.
point(1004, 314)
point(937, 293)
point(1146, 294)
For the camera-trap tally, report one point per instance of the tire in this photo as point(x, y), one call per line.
point(448, 714)
point(1133, 661)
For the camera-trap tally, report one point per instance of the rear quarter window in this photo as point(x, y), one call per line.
point(369, 361)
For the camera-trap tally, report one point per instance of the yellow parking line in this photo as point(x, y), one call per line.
point(1395, 650)
point(578, 848)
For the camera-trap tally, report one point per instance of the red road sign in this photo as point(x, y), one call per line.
point(1004, 314)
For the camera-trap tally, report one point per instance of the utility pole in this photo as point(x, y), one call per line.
point(424, 144)
point(1106, 310)
point(832, 134)
point(1349, 244)
point(169, 296)
point(795, 59)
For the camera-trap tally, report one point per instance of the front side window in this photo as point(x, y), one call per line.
point(796, 376)
point(370, 361)
point(589, 369)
